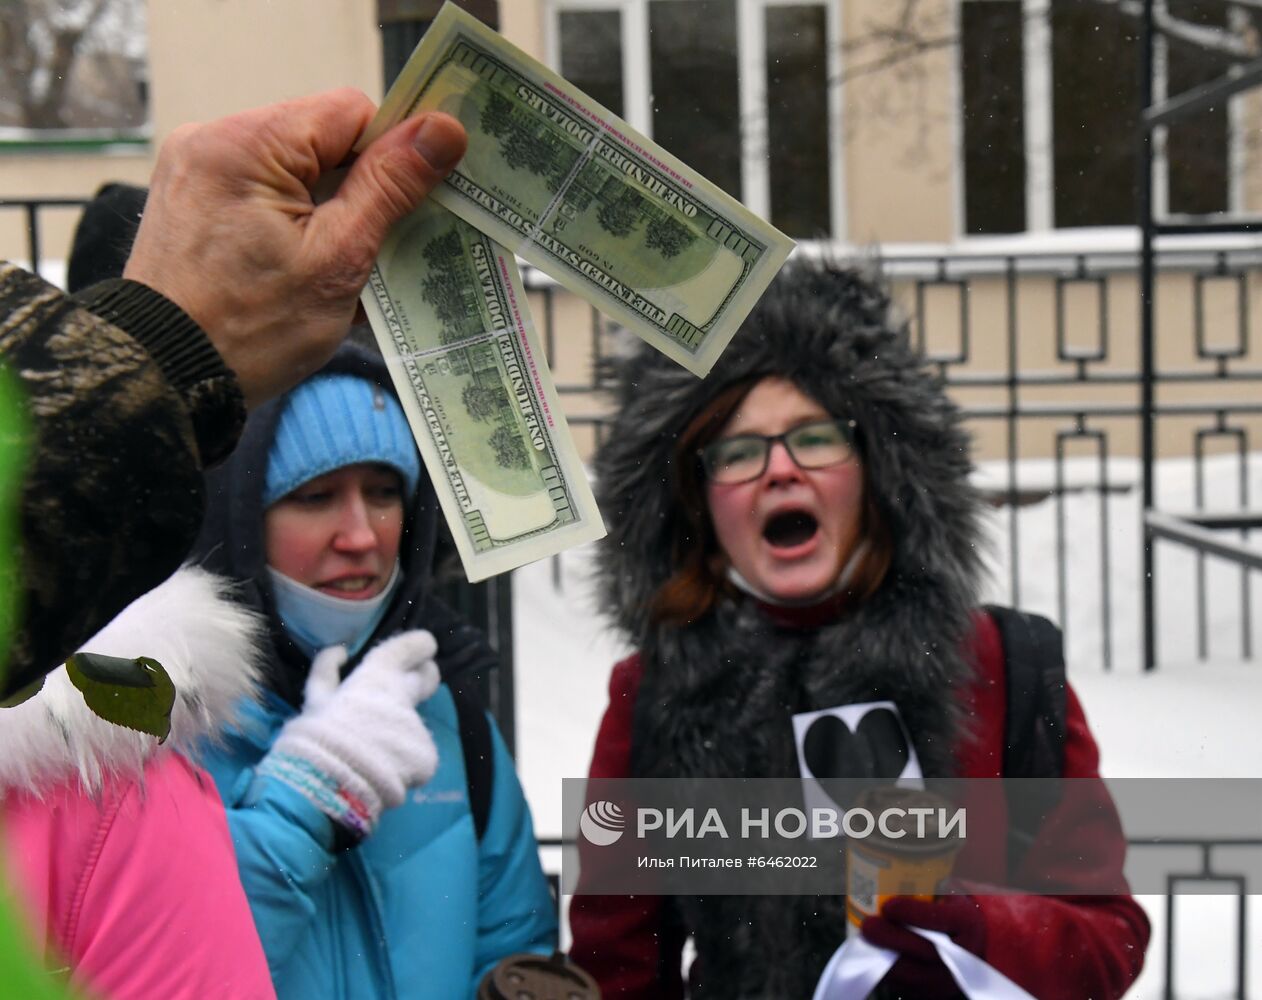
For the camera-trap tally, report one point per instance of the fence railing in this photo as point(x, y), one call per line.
point(1042, 351)
point(1041, 348)
point(31, 212)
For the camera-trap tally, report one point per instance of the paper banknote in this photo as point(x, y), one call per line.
point(449, 311)
point(570, 187)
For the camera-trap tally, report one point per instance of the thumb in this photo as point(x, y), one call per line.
point(419, 684)
point(402, 652)
point(390, 178)
point(324, 678)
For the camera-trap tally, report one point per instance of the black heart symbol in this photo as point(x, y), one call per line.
point(876, 751)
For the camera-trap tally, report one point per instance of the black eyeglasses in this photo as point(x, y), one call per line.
point(744, 457)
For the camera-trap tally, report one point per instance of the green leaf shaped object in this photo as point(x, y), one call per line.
point(21, 972)
point(135, 693)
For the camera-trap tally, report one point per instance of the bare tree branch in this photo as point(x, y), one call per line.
point(911, 33)
point(900, 53)
point(43, 45)
point(45, 110)
point(17, 55)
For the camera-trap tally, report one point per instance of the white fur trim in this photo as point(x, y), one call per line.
point(210, 647)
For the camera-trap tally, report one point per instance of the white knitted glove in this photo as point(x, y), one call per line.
point(358, 746)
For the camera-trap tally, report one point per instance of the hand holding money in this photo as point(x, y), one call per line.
point(230, 232)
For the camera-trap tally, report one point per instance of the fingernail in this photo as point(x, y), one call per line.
point(439, 143)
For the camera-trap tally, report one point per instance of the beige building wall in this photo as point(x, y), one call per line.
point(212, 57)
point(522, 22)
point(899, 130)
point(1047, 411)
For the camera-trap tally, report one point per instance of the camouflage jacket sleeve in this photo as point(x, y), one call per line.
point(127, 401)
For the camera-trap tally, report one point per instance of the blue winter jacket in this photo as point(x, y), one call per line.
point(420, 909)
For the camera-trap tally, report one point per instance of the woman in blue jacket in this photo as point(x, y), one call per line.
point(381, 833)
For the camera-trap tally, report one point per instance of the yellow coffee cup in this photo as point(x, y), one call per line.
point(905, 854)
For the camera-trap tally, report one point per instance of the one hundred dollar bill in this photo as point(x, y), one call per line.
point(449, 311)
point(571, 188)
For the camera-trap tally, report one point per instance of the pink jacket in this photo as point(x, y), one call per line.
point(119, 847)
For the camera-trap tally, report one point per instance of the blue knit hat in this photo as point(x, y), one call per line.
point(334, 420)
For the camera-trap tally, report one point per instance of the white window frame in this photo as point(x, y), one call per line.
point(751, 41)
point(1038, 138)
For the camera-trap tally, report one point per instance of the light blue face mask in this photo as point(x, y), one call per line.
point(315, 620)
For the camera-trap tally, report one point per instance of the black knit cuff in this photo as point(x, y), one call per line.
point(184, 355)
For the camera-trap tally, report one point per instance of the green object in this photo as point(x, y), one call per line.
point(135, 693)
point(21, 972)
point(14, 444)
point(134, 142)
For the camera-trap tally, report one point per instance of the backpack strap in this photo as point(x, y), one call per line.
point(1034, 719)
point(479, 753)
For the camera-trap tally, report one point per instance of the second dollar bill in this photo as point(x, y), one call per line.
point(449, 311)
point(573, 189)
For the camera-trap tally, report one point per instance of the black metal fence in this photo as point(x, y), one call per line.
point(30, 214)
point(1042, 349)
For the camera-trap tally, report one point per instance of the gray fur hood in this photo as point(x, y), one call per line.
point(828, 329)
point(209, 645)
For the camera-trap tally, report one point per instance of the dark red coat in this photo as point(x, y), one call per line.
point(1055, 947)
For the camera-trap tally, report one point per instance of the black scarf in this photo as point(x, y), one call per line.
point(717, 700)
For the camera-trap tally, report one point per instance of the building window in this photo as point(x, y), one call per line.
point(1050, 105)
point(992, 88)
point(1196, 150)
point(591, 54)
point(694, 76)
point(73, 70)
point(737, 89)
point(403, 22)
point(798, 117)
point(1095, 107)
point(398, 40)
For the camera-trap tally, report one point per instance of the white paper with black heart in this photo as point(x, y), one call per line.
point(860, 742)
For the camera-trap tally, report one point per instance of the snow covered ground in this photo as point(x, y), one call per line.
point(1189, 718)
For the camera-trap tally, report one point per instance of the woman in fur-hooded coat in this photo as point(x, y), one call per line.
point(117, 845)
point(725, 659)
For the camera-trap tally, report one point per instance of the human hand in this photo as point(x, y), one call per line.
point(919, 971)
point(232, 234)
point(359, 745)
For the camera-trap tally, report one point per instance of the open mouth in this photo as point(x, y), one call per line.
point(789, 529)
point(349, 584)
